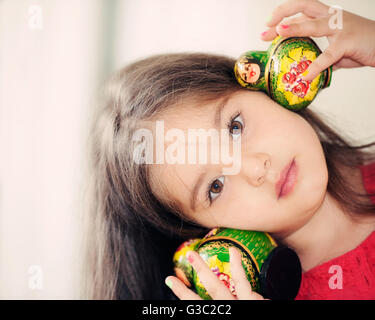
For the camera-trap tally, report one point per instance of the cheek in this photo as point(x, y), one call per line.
point(313, 171)
point(313, 179)
point(311, 185)
point(248, 208)
point(292, 135)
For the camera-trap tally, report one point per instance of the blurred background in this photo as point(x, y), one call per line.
point(54, 55)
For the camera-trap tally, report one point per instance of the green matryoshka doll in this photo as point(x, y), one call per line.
point(277, 71)
point(273, 270)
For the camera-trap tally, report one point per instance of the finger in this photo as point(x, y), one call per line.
point(329, 56)
point(311, 8)
point(241, 284)
point(309, 28)
point(215, 288)
point(346, 63)
point(180, 290)
point(271, 33)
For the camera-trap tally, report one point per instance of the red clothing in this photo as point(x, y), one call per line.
point(355, 268)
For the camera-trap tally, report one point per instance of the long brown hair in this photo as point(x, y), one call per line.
point(129, 234)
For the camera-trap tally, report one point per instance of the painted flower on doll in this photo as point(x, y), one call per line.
point(288, 79)
point(226, 279)
point(292, 81)
point(301, 88)
point(292, 67)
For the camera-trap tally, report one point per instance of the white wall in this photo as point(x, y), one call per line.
point(47, 79)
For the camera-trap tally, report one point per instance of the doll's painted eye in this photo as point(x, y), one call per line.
point(215, 188)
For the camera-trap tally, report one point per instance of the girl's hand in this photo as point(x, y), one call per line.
point(215, 288)
point(351, 46)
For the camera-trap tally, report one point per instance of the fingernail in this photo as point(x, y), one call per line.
point(168, 282)
point(303, 78)
point(269, 18)
point(284, 26)
point(264, 33)
point(190, 257)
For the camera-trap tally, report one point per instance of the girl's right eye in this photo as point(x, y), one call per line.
point(236, 126)
point(215, 188)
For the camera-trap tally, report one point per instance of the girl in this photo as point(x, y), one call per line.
point(139, 213)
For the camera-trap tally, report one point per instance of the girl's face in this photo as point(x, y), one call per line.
point(271, 137)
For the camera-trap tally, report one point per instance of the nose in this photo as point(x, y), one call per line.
point(255, 168)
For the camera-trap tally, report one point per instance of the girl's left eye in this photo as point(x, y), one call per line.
point(235, 126)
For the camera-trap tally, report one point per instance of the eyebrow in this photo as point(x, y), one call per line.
point(217, 124)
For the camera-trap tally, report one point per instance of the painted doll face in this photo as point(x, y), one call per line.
point(250, 72)
point(271, 137)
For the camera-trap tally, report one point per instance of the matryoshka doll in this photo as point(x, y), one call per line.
point(273, 270)
point(277, 71)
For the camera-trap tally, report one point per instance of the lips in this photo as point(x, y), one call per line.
point(283, 178)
